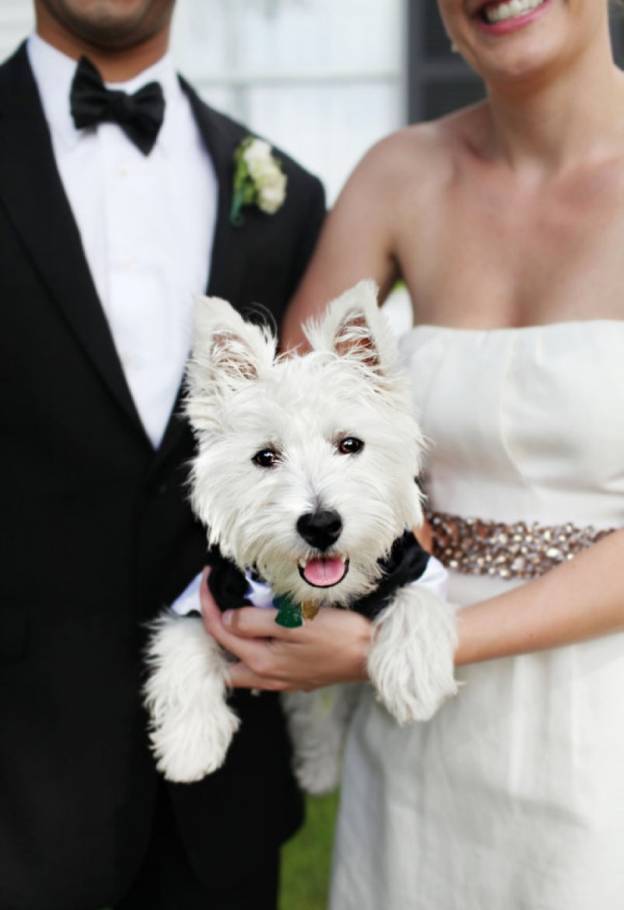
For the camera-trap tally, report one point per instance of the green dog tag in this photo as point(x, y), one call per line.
point(288, 613)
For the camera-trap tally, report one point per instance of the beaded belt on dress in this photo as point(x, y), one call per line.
point(518, 550)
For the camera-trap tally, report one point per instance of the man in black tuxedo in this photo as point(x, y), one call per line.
point(97, 532)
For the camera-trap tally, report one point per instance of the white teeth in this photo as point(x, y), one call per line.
point(510, 10)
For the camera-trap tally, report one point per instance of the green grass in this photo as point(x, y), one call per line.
point(306, 858)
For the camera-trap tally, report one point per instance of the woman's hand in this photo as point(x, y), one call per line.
point(331, 648)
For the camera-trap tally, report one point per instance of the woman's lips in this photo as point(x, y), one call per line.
point(509, 16)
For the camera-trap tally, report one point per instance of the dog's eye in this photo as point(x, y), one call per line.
point(266, 458)
point(350, 445)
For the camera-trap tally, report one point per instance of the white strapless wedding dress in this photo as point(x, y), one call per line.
point(512, 797)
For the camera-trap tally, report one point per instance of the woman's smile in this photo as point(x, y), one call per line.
point(502, 18)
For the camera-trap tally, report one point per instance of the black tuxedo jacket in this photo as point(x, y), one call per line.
point(97, 536)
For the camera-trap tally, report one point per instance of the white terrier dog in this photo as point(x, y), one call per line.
point(305, 476)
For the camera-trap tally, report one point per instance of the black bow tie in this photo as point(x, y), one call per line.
point(140, 116)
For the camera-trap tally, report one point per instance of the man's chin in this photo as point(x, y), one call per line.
point(111, 25)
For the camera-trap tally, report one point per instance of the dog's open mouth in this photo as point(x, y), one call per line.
point(324, 571)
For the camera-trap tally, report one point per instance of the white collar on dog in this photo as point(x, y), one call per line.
point(259, 593)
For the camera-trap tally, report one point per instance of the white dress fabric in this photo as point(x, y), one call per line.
point(512, 797)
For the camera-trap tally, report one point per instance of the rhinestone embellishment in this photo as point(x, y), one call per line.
point(519, 550)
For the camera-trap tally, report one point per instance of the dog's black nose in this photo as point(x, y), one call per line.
point(320, 529)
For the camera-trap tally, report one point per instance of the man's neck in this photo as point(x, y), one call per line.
point(113, 65)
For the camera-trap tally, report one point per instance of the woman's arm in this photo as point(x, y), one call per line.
point(356, 242)
point(582, 599)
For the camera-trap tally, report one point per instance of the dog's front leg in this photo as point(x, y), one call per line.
point(191, 725)
point(411, 660)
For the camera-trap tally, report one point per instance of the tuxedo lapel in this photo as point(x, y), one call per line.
point(228, 250)
point(33, 196)
point(227, 264)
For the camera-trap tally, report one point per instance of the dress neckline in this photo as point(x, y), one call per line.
point(541, 327)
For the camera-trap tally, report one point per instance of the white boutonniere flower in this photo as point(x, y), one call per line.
point(258, 179)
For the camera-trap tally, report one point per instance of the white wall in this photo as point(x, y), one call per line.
point(16, 20)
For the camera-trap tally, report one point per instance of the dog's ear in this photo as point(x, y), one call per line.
point(355, 329)
point(228, 353)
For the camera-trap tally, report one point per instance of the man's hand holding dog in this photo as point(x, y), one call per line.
point(331, 648)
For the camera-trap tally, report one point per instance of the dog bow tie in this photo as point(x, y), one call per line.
point(140, 115)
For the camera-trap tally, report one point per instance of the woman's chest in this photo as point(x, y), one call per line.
point(484, 257)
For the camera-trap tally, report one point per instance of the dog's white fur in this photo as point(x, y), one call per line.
point(192, 725)
point(241, 400)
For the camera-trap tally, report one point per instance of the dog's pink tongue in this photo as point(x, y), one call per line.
point(324, 572)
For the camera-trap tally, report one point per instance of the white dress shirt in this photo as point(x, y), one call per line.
point(146, 223)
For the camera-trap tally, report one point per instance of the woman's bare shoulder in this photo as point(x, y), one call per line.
point(432, 148)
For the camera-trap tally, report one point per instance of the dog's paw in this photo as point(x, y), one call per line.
point(191, 725)
point(411, 661)
point(195, 743)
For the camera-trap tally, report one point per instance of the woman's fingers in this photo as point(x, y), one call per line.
point(331, 648)
point(209, 609)
point(247, 650)
point(240, 676)
point(252, 622)
point(424, 536)
point(255, 622)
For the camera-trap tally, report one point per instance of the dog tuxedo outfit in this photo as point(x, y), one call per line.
point(407, 563)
